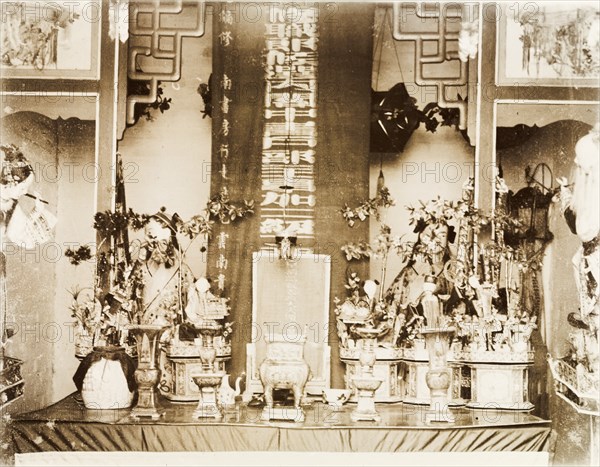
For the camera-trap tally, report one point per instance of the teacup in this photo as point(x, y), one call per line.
point(336, 397)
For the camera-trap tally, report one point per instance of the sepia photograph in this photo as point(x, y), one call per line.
point(295, 233)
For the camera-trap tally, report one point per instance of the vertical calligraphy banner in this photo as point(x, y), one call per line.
point(290, 134)
point(237, 96)
point(323, 136)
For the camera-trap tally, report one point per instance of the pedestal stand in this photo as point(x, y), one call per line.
point(183, 363)
point(438, 377)
point(208, 405)
point(366, 383)
point(387, 367)
point(209, 380)
point(416, 366)
point(502, 385)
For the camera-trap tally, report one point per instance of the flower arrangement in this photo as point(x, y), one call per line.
point(370, 207)
point(220, 207)
point(115, 300)
point(395, 115)
point(142, 88)
point(364, 304)
point(502, 324)
point(356, 307)
point(15, 166)
point(101, 311)
point(495, 336)
point(488, 310)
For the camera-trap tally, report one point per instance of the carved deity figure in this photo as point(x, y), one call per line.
point(428, 260)
point(161, 278)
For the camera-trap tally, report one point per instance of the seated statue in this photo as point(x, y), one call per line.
point(428, 259)
point(160, 277)
point(203, 304)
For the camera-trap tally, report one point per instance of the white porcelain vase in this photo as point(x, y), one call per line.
point(105, 384)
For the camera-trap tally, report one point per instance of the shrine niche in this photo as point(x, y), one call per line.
point(296, 311)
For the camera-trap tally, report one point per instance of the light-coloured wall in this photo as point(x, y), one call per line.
point(75, 210)
point(38, 279)
point(167, 160)
point(555, 146)
point(432, 164)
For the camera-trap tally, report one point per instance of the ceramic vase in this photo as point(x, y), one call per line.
point(105, 384)
point(147, 373)
point(438, 377)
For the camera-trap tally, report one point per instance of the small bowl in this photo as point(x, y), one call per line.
point(336, 396)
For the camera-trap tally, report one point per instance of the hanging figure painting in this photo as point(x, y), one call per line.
point(581, 207)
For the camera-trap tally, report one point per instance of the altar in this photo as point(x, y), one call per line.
point(304, 198)
point(68, 429)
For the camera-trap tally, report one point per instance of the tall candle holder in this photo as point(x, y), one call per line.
point(366, 383)
point(209, 380)
point(437, 341)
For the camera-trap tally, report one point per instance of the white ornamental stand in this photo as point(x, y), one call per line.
point(416, 366)
point(387, 367)
point(500, 380)
point(365, 382)
point(181, 363)
point(438, 376)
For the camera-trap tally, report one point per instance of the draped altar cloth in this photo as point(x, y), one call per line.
point(67, 426)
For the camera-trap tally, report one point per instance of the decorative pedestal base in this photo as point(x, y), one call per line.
point(146, 378)
point(438, 381)
point(177, 384)
point(290, 414)
point(208, 405)
point(440, 415)
point(365, 409)
point(438, 378)
point(415, 386)
point(147, 374)
point(386, 370)
point(499, 386)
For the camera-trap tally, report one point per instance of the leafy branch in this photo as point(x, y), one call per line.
point(220, 207)
point(142, 88)
point(370, 207)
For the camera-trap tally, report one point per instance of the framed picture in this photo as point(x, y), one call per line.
point(548, 44)
point(54, 40)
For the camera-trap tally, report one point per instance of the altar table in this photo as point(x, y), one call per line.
point(68, 427)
